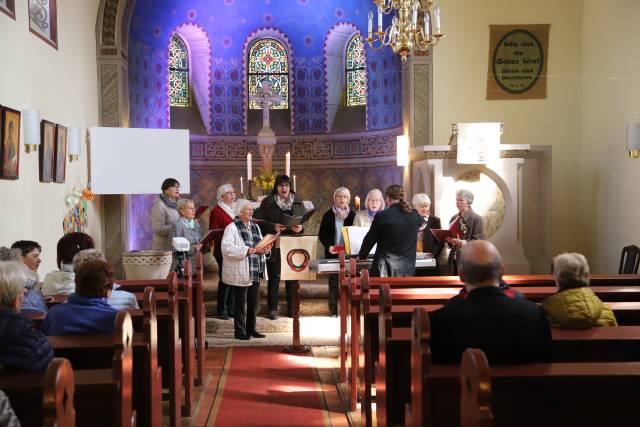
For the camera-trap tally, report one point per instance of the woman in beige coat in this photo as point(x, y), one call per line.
point(373, 203)
point(164, 215)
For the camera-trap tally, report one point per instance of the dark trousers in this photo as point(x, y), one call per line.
point(273, 283)
point(225, 296)
point(246, 305)
point(334, 293)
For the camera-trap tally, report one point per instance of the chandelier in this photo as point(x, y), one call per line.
point(415, 26)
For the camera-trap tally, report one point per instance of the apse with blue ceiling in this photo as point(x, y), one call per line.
point(217, 33)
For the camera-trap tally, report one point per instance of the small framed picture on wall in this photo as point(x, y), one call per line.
point(61, 154)
point(8, 7)
point(10, 147)
point(47, 150)
point(43, 21)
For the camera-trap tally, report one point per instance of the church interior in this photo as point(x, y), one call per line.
point(315, 90)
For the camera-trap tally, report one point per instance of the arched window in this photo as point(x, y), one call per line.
point(356, 70)
point(178, 73)
point(268, 61)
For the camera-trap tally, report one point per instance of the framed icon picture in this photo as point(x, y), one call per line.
point(47, 150)
point(10, 147)
point(60, 169)
point(43, 21)
point(8, 7)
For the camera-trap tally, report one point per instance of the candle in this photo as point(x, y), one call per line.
point(356, 202)
point(294, 183)
point(241, 186)
point(379, 19)
point(436, 19)
point(427, 25)
point(287, 167)
point(249, 174)
point(370, 27)
point(414, 16)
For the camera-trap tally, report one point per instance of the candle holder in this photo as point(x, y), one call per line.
point(249, 196)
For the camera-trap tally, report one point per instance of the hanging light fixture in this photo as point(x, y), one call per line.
point(415, 26)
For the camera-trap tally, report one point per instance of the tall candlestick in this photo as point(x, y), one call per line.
point(356, 202)
point(241, 185)
point(294, 183)
point(379, 19)
point(249, 172)
point(287, 161)
point(370, 26)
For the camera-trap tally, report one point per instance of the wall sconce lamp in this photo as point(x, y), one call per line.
point(31, 129)
point(75, 145)
point(402, 150)
point(633, 140)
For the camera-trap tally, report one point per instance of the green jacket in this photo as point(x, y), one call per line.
point(577, 308)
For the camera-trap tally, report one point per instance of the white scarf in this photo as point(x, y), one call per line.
point(230, 210)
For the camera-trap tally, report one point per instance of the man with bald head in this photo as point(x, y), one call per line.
point(508, 330)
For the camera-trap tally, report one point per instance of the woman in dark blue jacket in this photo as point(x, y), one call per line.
point(22, 347)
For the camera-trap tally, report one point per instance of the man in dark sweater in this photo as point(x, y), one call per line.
point(508, 330)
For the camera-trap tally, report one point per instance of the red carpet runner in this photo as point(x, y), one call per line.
point(265, 387)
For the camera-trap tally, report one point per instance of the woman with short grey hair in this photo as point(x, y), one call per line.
point(23, 347)
point(187, 227)
point(222, 215)
point(427, 242)
point(373, 203)
point(466, 225)
point(330, 235)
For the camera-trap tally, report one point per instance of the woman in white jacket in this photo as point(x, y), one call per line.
point(243, 267)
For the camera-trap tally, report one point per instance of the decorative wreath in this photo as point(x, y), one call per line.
point(305, 262)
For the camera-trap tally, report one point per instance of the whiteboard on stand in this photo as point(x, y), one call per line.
point(136, 161)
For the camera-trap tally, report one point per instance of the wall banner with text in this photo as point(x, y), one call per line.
point(518, 61)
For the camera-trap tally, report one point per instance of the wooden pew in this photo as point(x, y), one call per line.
point(96, 351)
point(563, 394)
point(606, 344)
point(171, 296)
point(53, 388)
point(106, 392)
point(475, 391)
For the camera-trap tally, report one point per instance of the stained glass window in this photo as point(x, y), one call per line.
point(268, 61)
point(356, 72)
point(178, 73)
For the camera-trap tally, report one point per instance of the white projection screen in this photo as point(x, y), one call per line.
point(136, 161)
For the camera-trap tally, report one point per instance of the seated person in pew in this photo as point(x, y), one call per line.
point(33, 300)
point(22, 347)
point(117, 299)
point(575, 306)
point(30, 252)
point(86, 311)
point(508, 330)
point(63, 282)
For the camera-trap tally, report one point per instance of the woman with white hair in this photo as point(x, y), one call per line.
point(22, 347)
point(187, 227)
point(466, 224)
point(427, 242)
point(373, 203)
point(575, 306)
point(244, 266)
point(330, 235)
point(221, 216)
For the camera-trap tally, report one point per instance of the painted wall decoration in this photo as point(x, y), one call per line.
point(518, 61)
point(228, 24)
point(47, 150)
point(10, 143)
point(43, 21)
point(60, 163)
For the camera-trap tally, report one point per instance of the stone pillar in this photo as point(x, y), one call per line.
point(417, 105)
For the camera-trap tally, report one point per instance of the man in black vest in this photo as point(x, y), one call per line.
point(508, 330)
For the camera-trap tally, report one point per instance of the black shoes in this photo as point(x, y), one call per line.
point(273, 315)
point(242, 337)
point(256, 334)
point(224, 316)
point(290, 312)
